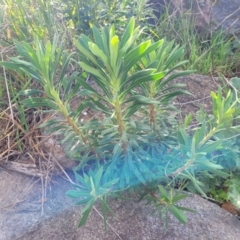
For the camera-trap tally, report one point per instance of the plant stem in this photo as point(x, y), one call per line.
point(207, 137)
point(120, 122)
point(151, 116)
point(73, 124)
point(151, 106)
point(181, 169)
point(119, 117)
point(152, 193)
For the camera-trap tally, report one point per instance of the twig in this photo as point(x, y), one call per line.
point(8, 94)
point(234, 89)
point(197, 100)
point(226, 19)
point(107, 223)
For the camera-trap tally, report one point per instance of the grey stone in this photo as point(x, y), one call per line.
point(200, 10)
point(226, 15)
point(210, 15)
point(133, 222)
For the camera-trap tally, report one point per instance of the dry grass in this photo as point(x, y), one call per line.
point(24, 150)
point(14, 139)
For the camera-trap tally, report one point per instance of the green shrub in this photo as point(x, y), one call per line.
point(82, 15)
point(125, 150)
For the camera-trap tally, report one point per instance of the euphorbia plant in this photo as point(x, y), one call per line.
point(130, 75)
point(164, 58)
point(47, 64)
point(111, 62)
point(117, 144)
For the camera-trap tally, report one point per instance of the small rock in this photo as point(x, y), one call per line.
point(210, 15)
point(226, 16)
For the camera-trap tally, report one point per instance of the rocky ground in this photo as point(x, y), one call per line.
point(23, 217)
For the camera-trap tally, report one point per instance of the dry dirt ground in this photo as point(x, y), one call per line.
point(26, 212)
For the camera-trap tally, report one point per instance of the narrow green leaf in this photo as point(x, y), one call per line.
point(131, 109)
point(179, 197)
point(176, 75)
point(141, 99)
point(114, 42)
point(93, 71)
point(186, 209)
point(39, 102)
point(83, 201)
point(110, 184)
point(55, 129)
point(187, 120)
point(140, 74)
point(99, 53)
point(169, 96)
point(50, 122)
point(85, 213)
point(178, 214)
point(211, 146)
point(85, 51)
point(137, 52)
point(163, 192)
point(98, 38)
point(29, 92)
point(128, 32)
point(97, 177)
point(78, 193)
point(139, 81)
point(183, 137)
